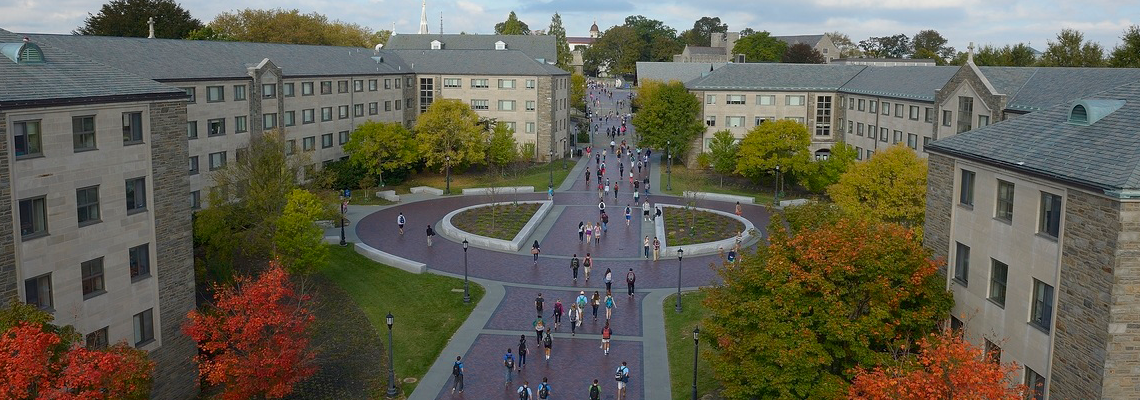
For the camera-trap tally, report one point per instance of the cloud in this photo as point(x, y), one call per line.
point(567, 6)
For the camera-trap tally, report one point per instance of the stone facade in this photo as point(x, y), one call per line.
point(968, 81)
point(547, 114)
point(939, 200)
point(1122, 363)
point(175, 375)
point(8, 275)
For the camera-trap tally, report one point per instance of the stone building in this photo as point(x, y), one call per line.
point(721, 45)
point(1038, 219)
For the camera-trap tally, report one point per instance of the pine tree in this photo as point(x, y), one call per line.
point(559, 32)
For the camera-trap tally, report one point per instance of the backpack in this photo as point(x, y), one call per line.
point(543, 391)
point(547, 341)
point(622, 375)
point(510, 363)
point(595, 392)
point(524, 394)
point(630, 277)
point(456, 369)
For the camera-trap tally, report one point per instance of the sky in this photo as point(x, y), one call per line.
point(997, 22)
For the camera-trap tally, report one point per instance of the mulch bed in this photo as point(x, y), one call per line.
point(502, 221)
point(681, 229)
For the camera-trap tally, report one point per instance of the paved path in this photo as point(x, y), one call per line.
point(512, 281)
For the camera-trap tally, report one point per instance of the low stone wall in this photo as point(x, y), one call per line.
point(499, 190)
point(793, 202)
point(427, 190)
point(373, 254)
point(720, 197)
point(389, 195)
point(449, 230)
point(750, 235)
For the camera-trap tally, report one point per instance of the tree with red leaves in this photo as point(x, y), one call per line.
point(948, 367)
point(254, 340)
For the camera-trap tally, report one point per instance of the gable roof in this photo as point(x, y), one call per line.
point(1104, 155)
point(66, 78)
point(811, 40)
point(475, 62)
point(1036, 88)
point(906, 82)
point(180, 60)
point(542, 47)
point(674, 71)
point(763, 76)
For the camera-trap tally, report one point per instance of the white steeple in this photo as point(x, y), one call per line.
point(150, 25)
point(423, 19)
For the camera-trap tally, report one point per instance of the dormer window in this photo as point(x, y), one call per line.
point(500, 45)
point(1088, 112)
point(1079, 115)
point(23, 53)
point(436, 45)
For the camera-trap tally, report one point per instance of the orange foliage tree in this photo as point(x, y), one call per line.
point(254, 340)
point(947, 367)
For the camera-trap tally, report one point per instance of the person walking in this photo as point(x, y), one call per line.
point(656, 248)
point(544, 389)
point(457, 373)
point(589, 233)
point(509, 362)
point(610, 305)
point(615, 191)
point(538, 303)
point(609, 280)
point(645, 211)
point(595, 391)
point(575, 317)
point(581, 301)
point(587, 176)
point(534, 250)
point(645, 245)
point(607, 332)
point(630, 278)
point(605, 222)
point(607, 189)
point(522, 352)
point(628, 216)
point(539, 328)
point(524, 392)
point(595, 302)
point(622, 377)
point(586, 266)
point(738, 209)
point(557, 313)
point(581, 231)
point(400, 221)
point(574, 262)
point(547, 342)
point(601, 207)
point(430, 235)
point(598, 233)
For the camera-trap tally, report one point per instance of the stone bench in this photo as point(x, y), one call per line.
point(389, 195)
point(793, 202)
point(720, 197)
point(427, 190)
point(499, 190)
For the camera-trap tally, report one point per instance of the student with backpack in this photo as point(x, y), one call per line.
point(547, 342)
point(539, 328)
point(622, 378)
point(606, 334)
point(522, 352)
point(575, 317)
point(610, 305)
point(509, 362)
point(457, 372)
point(609, 280)
point(574, 262)
point(557, 313)
point(595, 391)
point(586, 264)
point(524, 392)
point(595, 302)
point(630, 278)
point(544, 389)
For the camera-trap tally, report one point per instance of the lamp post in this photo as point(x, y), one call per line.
point(696, 350)
point(669, 170)
point(466, 293)
point(680, 254)
point(551, 168)
point(447, 190)
point(776, 201)
point(391, 359)
point(343, 210)
point(564, 152)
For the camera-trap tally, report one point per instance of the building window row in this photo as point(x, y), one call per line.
point(1049, 214)
point(1041, 313)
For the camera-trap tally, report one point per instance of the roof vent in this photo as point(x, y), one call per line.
point(436, 45)
point(1088, 112)
point(500, 45)
point(378, 47)
point(23, 53)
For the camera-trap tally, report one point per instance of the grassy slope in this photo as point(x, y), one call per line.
point(679, 338)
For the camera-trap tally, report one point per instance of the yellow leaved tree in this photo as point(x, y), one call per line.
point(889, 187)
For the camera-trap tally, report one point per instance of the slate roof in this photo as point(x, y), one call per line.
point(811, 40)
point(674, 71)
point(475, 62)
point(180, 60)
point(1104, 155)
point(912, 83)
point(537, 46)
point(763, 76)
point(1036, 88)
point(67, 78)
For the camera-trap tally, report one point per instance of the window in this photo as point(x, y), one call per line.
point(851, 104)
point(1042, 314)
point(965, 113)
point(83, 132)
point(358, 85)
point(239, 92)
point(793, 100)
point(823, 116)
point(530, 83)
point(883, 134)
point(851, 128)
point(898, 137)
point(1036, 384)
point(388, 83)
point(710, 121)
point(870, 153)
point(858, 153)
point(342, 112)
point(886, 108)
point(309, 143)
point(1050, 214)
point(946, 114)
point(398, 105)
point(760, 120)
point(962, 264)
point(87, 201)
point(139, 260)
point(509, 125)
point(217, 160)
point(912, 141)
point(217, 127)
point(859, 129)
point(290, 147)
point(873, 106)
point(195, 199)
point(33, 217)
point(387, 105)
point(215, 94)
point(710, 99)
point(373, 108)
point(992, 352)
point(342, 86)
point(192, 129)
point(1004, 201)
point(506, 83)
point(966, 193)
point(269, 91)
point(144, 327)
point(132, 127)
point(326, 87)
point(240, 125)
point(899, 110)
point(96, 340)
point(530, 127)
point(733, 122)
point(37, 292)
point(479, 105)
point(358, 110)
point(530, 105)
point(190, 92)
point(287, 90)
point(306, 88)
point(862, 105)
point(136, 194)
point(326, 114)
point(734, 99)
point(373, 85)
point(307, 116)
point(765, 100)
point(799, 120)
point(506, 105)
point(956, 324)
point(342, 137)
point(269, 121)
point(475, 83)
point(983, 120)
point(326, 141)
point(925, 141)
point(452, 82)
point(290, 118)
point(92, 278)
point(998, 273)
point(914, 113)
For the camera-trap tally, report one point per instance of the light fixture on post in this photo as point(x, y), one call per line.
point(466, 292)
point(696, 350)
point(680, 254)
point(343, 210)
point(551, 159)
point(669, 170)
point(391, 360)
point(776, 198)
point(447, 189)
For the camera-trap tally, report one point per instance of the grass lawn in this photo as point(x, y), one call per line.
point(508, 220)
point(360, 197)
point(679, 339)
point(708, 227)
point(685, 179)
point(426, 309)
point(537, 176)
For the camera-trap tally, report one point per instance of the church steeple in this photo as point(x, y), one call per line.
point(423, 19)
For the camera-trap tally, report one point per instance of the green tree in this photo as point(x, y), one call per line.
point(760, 47)
point(298, 242)
point(802, 53)
point(1127, 54)
point(128, 18)
point(208, 33)
point(616, 51)
point(794, 320)
point(703, 28)
point(559, 33)
point(1071, 50)
point(723, 149)
point(512, 26)
point(290, 26)
point(660, 40)
point(1019, 55)
point(889, 187)
point(933, 43)
point(382, 147)
point(823, 173)
point(502, 148)
point(782, 143)
point(578, 92)
point(847, 48)
point(450, 128)
point(668, 118)
point(896, 46)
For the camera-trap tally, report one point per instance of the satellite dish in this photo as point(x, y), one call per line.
point(618, 83)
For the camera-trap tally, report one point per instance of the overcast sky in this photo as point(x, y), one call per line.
point(961, 21)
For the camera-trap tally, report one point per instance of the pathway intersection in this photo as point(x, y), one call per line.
point(512, 282)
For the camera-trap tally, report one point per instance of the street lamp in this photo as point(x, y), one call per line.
point(564, 152)
point(466, 293)
point(669, 171)
point(680, 254)
point(696, 350)
point(391, 359)
point(447, 190)
point(343, 210)
point(551, 168)
point(776, 201)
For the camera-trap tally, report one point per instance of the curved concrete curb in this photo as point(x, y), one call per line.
point(499, 190)
point(373, 254)
point(701, 249)
point(450, 231)
point(719, 197)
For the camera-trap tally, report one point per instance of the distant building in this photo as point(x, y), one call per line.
point(578, 45)
point(674, 71)
point(721, 45)
point(542, 48)
point(886, 62)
